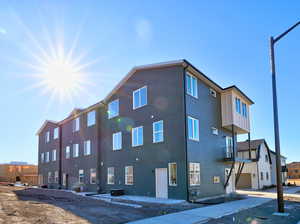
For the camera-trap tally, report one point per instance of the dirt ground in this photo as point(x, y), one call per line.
point(42, 206)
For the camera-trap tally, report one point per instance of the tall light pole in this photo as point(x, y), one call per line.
point(276, 123)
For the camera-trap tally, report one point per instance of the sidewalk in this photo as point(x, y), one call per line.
point(202, 215)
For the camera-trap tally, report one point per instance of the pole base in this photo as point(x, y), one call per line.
point(281, 213)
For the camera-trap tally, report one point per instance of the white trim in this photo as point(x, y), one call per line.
point(140, 99)
point(127, 175)
point(113, 175)
point(194, 163)
point(117, 141)
point(169, 174)
point(155, 132)
point(193, 137)
point(192, 87)
point(113, 101)
point(132, 139)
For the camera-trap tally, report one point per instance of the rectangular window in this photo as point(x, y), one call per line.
point(267, 175)
point(110, 175)
point(91, 118)
point(56, 176)
point(158, 131)
point(137, 136)
point(75, 150)
point(55, 133)
point(140, 97)
point(237, 105)
point(76, 124)
point(266, 158)
point(47, 136)
point(87, 148)
point(68, 152)
point(244, 110)
point(92, 176)
point(261, 175)
point(191, 85)
point(229, 147)
point(42, 157)
point(113, 109)
point(54, 155)
point(117, 141)
point(172, 174)
point(129, 175)
point(193, 128)
point(47, 157)
point(81, 176)
point(64, 180)
point(194, 174)
point(49, 177)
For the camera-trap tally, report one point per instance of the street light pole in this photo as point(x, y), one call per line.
point(276, 122)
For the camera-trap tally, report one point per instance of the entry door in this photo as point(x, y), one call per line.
point(230, 185)
point(161, 182)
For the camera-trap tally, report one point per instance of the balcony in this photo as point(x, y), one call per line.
point(229, 156)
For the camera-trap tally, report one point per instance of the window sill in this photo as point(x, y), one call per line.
point(194, 140)
point(139, 107)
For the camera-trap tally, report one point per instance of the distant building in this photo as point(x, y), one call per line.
point(294, 170)
point(15, 172)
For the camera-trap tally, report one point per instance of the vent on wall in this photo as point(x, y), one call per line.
point(213, 93)
point(214, 131)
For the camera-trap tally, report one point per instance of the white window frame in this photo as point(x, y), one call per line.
point(135, 131)
point(238, 105)
point(47, 159)
point(193, 91)
point(170, 174)
point(229, 147)
point(42, 157)
point(56, 177)
point(54, 155)
point(158, 132)
point(134, 106)
point(193, 136)
point(244, 110)
point(110, 112)
point(194, 172)
point(80, 175)
point(110, 174)
point(75, 152)
point(68, 152)
point(93, 176)
point(127, 175)
point(64, 179)
point(47, 136)
point(91, 118)
point(56, 133)
point(76, 124)
point(49, 177)
point(87, 150)
point(117, 141)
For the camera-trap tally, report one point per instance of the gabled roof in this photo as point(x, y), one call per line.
point(44, 125)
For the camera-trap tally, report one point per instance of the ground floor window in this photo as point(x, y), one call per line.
point(49, 177)
point(261, 175)
point(267, 175)
point(64, 180)
point(110, 175)
point(129, 175)
point(93, 176)
point(172, 174)
point(81, 176)
point(56, 177)
point(194, 174)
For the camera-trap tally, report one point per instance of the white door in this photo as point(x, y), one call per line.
point(230, 186)
point(161, 182)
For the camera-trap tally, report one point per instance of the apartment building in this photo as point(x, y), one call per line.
point(293, 170)
point(166, 130)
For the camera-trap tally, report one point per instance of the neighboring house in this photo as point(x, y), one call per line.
point(19, 172)
point(283, 169)
point(256, 174)
point(166, 130)
point(293, 170)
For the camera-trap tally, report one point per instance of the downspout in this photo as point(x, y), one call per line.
point(185, 136)
point(98, 135)
point(60, 157)
point(257, 159)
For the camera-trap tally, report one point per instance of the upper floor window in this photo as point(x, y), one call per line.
point(129, 175)
point(158, 131)
point(81, 176)
point(87, 148)
point(140, 97)
point(266, 158)
point(76, 124)
point(194, 174)
point(91, 118)
point(54, 155)
point(193, 128)
point(75, 150)
point(47, 136)
point(191, 85)
point(172, 174)
point(68, 152)
point(55, 133)
point(244, 109)
point(92, 176)
point(110, 175)
point(47, 159)
point(137, 136)
point(237, 105)
point(117, 141)
point(113, 109)
point(42, 157)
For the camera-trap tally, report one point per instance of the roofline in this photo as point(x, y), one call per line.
point(44, 125)
point(240, 91)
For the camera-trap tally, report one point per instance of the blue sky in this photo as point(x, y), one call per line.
point(227, 40)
